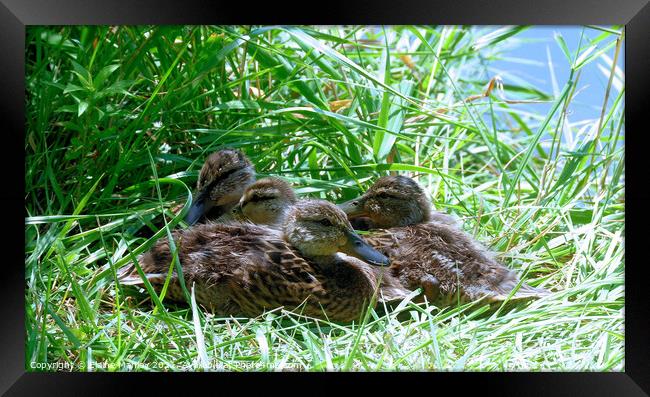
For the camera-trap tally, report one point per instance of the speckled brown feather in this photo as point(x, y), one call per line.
point(266, 202)
point(434, 245)
point(458, 262)
point(282, 198)
point(220, 163)
point(221, 183)
point(244, 269)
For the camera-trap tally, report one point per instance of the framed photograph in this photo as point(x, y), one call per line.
point(433, 192)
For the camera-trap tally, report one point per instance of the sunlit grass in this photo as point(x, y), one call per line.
point(330, 109)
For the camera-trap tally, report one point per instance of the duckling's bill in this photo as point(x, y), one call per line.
point(358, 248)
point(200, 207)
point(353, 208)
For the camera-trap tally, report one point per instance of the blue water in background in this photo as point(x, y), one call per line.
point(535, 44)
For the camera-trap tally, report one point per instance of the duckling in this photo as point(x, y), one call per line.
point(428, 249)
point(394, 201)
point(316, 263)
point(222, 180)
point(267, 202)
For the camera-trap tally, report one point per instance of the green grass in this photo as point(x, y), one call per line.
point(119, 120)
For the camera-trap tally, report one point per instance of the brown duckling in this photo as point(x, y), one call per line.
point(268, 201)
point(428, 249)
point(222, 180)
point(245, 269)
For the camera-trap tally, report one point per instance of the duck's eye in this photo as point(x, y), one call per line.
point(325, 222)
point(383, 195)
point(256, 198)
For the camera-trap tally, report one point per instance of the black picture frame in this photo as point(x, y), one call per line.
point(15, 15)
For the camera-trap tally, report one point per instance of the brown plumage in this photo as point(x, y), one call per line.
point(245, 269)
point(428, 249)
point(267, 202)
point(222, 180)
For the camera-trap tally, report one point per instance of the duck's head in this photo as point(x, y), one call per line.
point(266, 202)
point(392, 201)
point(222, 181)
point(318, 228)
